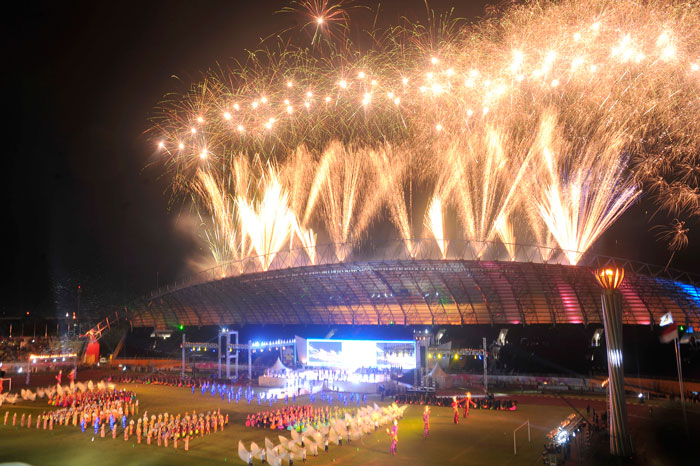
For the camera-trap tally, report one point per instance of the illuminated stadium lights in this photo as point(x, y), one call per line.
point(476, 352)
point(199, 346)
point(267, 344)
point(43, 357)
point(615, 357)
point(565, 431)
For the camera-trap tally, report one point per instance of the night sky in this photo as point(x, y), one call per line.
point(85, 204)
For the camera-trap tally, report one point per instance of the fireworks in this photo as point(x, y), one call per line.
point(434, 224)
point(539, 125)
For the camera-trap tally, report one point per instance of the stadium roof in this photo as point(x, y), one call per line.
point(411, 291)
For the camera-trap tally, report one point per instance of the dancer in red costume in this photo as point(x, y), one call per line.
point(467, 401)
point(455, 409)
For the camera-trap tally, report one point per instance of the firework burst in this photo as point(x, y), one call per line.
point(544, 122)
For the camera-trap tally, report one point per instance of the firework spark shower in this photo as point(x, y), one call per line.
point(541, 124)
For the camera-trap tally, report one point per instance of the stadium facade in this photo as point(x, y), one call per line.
point(394, 286)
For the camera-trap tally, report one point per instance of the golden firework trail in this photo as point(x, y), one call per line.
point(269, 222)
point(434, 224)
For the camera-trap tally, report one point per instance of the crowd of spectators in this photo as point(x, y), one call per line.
point(19, 348)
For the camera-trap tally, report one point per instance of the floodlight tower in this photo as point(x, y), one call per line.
point(610, 280)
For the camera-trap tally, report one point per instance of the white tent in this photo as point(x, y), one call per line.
point(278, 366)
point(439, 376)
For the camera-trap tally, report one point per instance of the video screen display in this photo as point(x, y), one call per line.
point(352, 354)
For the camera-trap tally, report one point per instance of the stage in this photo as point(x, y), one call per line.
point(313, 380)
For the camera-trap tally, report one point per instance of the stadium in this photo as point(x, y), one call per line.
point(393, 287)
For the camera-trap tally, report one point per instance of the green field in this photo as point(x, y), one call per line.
point(486, 437)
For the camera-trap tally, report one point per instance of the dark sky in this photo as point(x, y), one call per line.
point(84, 205)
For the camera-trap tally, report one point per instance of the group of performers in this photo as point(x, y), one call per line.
point(45, 419)
point(165, 428)
point(99, 408)
point(111, 408)
point(171, 381)
point(294, 418)
point(466, 403)
point(100, 397)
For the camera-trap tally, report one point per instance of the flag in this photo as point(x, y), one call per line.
point(669, 333)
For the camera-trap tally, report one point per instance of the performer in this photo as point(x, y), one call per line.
point(394, 436)
point(455, 409)
point(58, 377)
point(426, 421)
point(467, 401)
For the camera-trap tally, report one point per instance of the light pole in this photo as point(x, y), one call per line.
point(610, 280)
point(182, 371)
point(486, 374)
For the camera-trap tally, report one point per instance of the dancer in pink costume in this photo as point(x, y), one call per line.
point(426, 422)
point(394, 435)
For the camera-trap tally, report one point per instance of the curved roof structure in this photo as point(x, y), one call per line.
point(416, 291)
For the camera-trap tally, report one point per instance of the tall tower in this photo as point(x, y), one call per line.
point(610, 280)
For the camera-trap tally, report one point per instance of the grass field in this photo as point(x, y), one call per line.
point(485, 438)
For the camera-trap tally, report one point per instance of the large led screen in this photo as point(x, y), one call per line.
point(352, 354)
